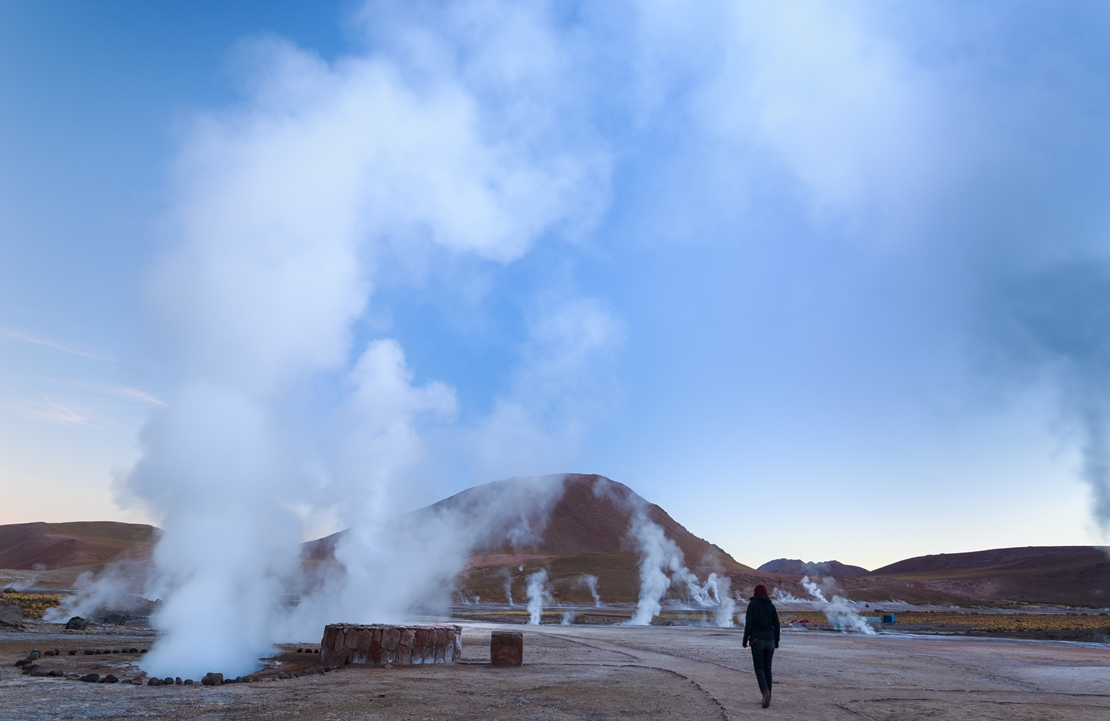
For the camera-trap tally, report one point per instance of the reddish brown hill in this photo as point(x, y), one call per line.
point(46, 546)
point(575, 524)
point(584, 533)
point(1069, 575)
point(591, 516)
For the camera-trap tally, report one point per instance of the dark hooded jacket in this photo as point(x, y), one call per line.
point(761, 621)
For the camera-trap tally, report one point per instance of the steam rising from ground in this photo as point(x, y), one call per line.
point(590, 582)
point(662, 566)
point(538, 595)
point(286, 210)
point(125, 587)
point(839, 610)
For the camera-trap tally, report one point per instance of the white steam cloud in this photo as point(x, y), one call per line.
point(590, 582)
point(287, 209)
point(662, 566)
point(538, 595)
point(839, 610)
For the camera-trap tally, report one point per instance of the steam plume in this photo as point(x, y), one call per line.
point(590, 582)
point(509, 588)
point(839, 611)
point(285, 211)
point(537, 595)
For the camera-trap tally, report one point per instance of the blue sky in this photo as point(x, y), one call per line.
point(824, 280)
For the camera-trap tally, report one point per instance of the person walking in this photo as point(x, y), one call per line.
point(761, 630)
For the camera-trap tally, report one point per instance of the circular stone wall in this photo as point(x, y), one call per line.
point(378, 645)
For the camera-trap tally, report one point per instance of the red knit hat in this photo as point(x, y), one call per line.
point(761, 590)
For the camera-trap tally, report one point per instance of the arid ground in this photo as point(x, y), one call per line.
point(580, 672)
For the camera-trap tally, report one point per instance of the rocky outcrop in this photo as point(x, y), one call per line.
point(10, 616)
point(382, 645)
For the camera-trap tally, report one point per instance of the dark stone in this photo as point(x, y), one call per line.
point(283, 675)
point(111, 678)
point(91, 677)
point(212, 679)
point(300, 650)
point(77, 624)
point(88, 652)
point(143, 651)
point(58, 673)
point(115, 651)
point(73, 652)
point(167, 681)
point(115, 619)
point(21, 662)
point(35, 653)
point(29, 667)
point(188, 682)
point(177, 681)
point(41, 671)
point(154, 682)
point(132, 650)
point(11, 615)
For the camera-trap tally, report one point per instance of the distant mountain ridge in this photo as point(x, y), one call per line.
point(797, 567)
point(584, 531)
point(1066, 575)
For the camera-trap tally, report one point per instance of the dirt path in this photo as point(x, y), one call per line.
point(837, 676)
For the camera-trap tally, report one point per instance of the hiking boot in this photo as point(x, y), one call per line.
point(766, 698)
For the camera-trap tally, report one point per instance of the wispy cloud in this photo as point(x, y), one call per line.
point(128, 392)
point(61, 412)
point(17, 335)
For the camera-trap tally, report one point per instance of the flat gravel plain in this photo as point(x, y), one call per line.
point(584, 672)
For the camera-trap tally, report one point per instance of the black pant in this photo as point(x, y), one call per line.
point(762, 653)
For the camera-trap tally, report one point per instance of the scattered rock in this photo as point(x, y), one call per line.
point(10, 615)
point(154, 682)
point(132, 650)
point(188, 682)
point(35, 653)
point(282, 675)
point(91, 677)
point(29, 667)
point(213, 679)
point(88, 652)
point(111, 678)
point(73, 652)
point(41, 671)
point(167, 681)
point(77, 624)
point(115, 619)
point(177, 681)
